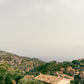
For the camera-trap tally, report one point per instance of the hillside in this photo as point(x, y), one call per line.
point(52, 67)
point(14, 68)
point(18, 62)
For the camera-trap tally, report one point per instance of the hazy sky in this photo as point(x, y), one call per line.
point(45, 29)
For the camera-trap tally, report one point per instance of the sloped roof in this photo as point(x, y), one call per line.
point(64, 82)
point(51, 79)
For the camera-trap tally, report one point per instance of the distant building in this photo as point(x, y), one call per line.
point(61, 75)
point(82, 74)
point(80, 60)
point(81, 67)
point(70, 70)
point(62, 69)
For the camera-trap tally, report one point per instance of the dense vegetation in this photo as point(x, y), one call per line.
point(12, 67)
point(74, 82)
point(26, 81)
point(49, 68)
point(7, 77)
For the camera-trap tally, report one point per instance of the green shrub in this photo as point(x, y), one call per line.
point(8, 79)
point(26, 81)
point(74, 82)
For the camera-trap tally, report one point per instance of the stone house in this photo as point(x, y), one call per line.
point(70, 70)
point(62, 69)
point(82, 74)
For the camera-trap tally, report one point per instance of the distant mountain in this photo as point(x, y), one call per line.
point(18, 62)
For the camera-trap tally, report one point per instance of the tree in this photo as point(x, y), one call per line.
point(2, 78)
point(75, 61)
point(17, 77)
point(8, 79)
point(2, 74)
point(74, 82)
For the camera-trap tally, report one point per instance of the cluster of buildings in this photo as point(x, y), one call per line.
point(61, 75)
point(70, 70)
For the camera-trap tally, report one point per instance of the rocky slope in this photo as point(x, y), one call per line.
point(18, 62)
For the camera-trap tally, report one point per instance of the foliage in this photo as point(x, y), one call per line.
point(74, 82)
point(2, 69)
point(49, 68)
point(77, 76)
point(8, 79)
point(26, 81)
point(75, 62)
point(17, 76)
point(2, 78)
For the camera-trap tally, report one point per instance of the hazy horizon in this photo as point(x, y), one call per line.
point(44, 29)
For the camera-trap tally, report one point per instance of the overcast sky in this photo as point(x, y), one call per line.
point(45, 29)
